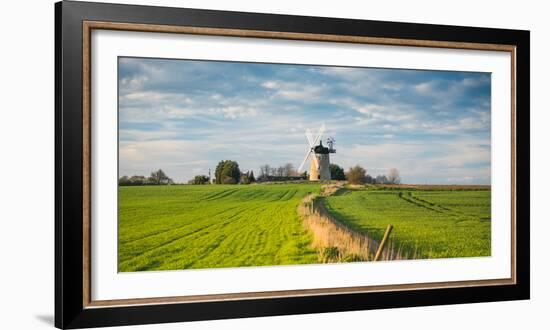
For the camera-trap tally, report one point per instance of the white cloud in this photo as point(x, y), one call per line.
point(234, 112)
point(270, 84)
point(424, 88)
point(371, 109)
point(446, 92)
point(294, 91)
point(445, 160)
point(134, 82)
point(379, 119)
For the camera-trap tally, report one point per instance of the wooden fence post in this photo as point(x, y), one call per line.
point(381, 246)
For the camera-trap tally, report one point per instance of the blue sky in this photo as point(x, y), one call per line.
point(185, 115)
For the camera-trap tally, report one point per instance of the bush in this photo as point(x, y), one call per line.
point(200, 179)
point(135, 180)
point(336, 172)
point(352, 258)
point(329, 254)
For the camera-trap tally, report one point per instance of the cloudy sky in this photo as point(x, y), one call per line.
point(184, 116)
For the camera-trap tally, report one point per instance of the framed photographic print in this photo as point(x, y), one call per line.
point(214, 164)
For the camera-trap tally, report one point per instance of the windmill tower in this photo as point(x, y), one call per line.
point(319, 169)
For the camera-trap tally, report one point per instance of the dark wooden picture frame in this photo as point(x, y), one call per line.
point(73, 24)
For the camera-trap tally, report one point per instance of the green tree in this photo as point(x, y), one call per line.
point(356, 174)
point(369, 179)
point(200, 179)
point(124, 181)
point(218, 172)
point(227, 172)
point(137, 180)
point(336, 172)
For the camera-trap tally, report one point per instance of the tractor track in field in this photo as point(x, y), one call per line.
point(409, 198)
point(168, 242)
point(172, 229)
point(176, 235)
point(226, 221)
point(420, 202)
point(221, 194)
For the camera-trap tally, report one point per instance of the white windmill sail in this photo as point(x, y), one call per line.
point(304, 161)
point(312, 143)
point(309, 137)
point(318, 137)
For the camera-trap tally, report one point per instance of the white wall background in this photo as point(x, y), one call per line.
point(27, 169)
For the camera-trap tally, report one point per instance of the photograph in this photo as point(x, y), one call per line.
point(231, 162)
point(240, 164)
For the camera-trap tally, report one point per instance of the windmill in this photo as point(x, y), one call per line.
point(319, 167)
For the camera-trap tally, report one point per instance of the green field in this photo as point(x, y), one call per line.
point(182, 227)
point(187, 226)
point(427, 223)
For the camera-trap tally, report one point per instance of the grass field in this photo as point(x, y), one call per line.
point(183, 227)
point(427, 223)
point(186, 226)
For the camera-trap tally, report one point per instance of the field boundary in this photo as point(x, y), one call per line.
point(334, 241)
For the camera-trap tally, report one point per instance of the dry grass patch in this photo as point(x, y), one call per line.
point(334, 241)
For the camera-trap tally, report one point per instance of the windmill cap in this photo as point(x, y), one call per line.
point(320, 149)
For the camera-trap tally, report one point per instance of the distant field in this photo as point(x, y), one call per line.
point(182, 227)
point(439, 223)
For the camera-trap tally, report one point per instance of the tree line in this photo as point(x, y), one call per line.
point(157, 177)
point(228, 172)
point(358, 175)
point(286, 170)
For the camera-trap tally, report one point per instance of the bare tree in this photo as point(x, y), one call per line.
point(265, 170)
point(381, 179)
point(159, 177)
point(289, 170)
point(356, 174)
point(280, 171)
point(393, 176)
